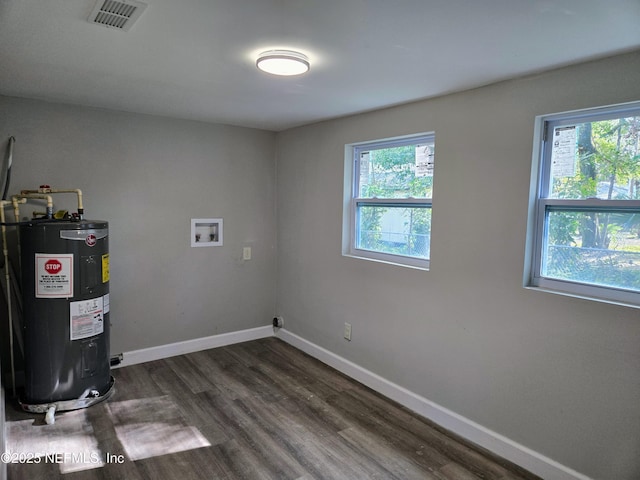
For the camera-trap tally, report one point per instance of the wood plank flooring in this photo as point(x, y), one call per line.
point(255, 410)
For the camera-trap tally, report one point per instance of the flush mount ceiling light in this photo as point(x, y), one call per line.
point(283, 62)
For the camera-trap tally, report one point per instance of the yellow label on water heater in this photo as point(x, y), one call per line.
point(105, 268)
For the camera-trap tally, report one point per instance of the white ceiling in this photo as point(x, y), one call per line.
point(195, 59)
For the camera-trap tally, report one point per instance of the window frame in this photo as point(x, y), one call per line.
point(541, 205)
point(350, 226)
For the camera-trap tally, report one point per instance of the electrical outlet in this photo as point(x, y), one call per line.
point(246, 253)
point(347, 331)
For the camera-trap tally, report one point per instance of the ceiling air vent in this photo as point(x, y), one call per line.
point(120, 15)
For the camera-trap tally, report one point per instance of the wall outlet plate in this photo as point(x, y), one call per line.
point(347, 331)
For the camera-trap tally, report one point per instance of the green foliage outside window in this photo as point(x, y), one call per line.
point(598, 246)
point(389, 173)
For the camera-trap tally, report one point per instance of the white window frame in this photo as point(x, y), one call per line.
point(540, 205)
point(350, 220)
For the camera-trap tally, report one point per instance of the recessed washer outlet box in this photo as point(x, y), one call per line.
point(117, 14)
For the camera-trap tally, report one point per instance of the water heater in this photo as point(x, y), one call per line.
point(65, 290)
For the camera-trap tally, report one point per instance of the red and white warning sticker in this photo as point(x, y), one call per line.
point(54, 275)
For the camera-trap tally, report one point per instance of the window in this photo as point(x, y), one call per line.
point(586, 217)
point(391, 187)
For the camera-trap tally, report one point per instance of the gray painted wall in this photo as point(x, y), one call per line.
point(559, 375)
point(148, 176)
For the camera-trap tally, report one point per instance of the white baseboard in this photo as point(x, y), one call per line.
point(500, 445)
point(195, 345)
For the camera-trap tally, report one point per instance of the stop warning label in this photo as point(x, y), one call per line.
point(53, 266)
point(54, 275)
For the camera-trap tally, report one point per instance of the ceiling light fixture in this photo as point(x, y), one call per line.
point(283, 62)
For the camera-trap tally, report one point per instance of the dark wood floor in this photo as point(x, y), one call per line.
point(256, 410)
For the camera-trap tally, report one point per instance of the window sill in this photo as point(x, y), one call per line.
point(414, 264)
point(582, 296)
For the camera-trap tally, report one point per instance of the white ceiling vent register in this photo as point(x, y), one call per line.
point(120, 15)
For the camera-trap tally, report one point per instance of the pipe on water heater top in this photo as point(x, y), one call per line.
point(46, 189)
point(48, 198)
